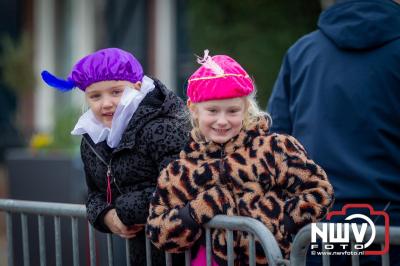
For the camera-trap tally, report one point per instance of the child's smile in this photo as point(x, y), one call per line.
point(219, 120)
point(221, 131)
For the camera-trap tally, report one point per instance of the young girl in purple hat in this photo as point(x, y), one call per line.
point(233, 165)
point(135, 126)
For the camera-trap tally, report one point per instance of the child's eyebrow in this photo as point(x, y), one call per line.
point(119, 86)
point(92, 92)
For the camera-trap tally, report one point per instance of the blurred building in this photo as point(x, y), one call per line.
point(155, 31)
point(62, 31)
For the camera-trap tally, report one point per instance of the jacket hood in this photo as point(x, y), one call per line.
point(361, 24)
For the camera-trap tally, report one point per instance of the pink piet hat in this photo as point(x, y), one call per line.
point(219, 77)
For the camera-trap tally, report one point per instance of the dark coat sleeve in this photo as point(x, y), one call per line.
point(133, 207)
point(278, 104)
point(161, 139)
point(96, 205)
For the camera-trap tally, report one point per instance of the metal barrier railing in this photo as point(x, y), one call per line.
point(302, 242)
point(41, 209)
point(74, 211)
point(255, 228)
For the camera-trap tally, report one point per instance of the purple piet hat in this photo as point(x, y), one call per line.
point(103, 65)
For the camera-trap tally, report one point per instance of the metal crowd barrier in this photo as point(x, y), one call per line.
point(302, 242)
point(74, 211)
point(252, 226)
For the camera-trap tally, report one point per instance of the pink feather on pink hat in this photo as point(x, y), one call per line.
point(219, 77)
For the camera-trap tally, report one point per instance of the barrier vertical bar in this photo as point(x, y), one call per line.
point(110, 250)
point(42, 241)
point(168, 259)
point(10, 242)
point(57, 234)
point(92, 250)
point(208, 246)
point(188, 257)
point(127, 252)
point(385, 257)
point(355, 260)
point(75, 242)
point(252, 250)
point(326, 261)
point(231, 255)
point(148, 252)
point(25, 239)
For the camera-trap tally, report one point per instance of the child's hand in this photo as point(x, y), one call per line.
point(115, 225)
point(136, 228)
point(214, 201)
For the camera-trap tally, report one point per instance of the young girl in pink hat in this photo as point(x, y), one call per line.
point(233, 165)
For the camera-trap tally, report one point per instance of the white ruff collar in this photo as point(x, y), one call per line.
point(127, 106)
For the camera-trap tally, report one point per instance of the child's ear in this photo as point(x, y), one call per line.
point(190, 105)
point(192, 108)
point(137, 85)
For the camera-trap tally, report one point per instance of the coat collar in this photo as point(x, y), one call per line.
point(152, 105)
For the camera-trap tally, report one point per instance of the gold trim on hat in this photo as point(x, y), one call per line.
point(219, 76)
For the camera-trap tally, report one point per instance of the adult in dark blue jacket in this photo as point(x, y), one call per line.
point(338, 92)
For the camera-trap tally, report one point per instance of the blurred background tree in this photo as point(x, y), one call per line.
point(66, 118)
point(17, 81)
point(255, 32)
point(16, 62)
point(18, 76)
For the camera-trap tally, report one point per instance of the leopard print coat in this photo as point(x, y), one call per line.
point(257, 174)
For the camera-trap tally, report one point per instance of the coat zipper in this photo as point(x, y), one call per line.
point(113, 178)
point(109, 172)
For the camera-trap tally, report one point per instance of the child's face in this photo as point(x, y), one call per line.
point(219, 120)
point(103, 98)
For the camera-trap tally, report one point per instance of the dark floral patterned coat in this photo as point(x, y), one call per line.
point(154, 136)
point(261, 175)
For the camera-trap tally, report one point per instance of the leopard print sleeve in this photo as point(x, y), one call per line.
point(309, 194)
point(166, 226)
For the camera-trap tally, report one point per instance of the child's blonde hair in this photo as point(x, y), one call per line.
point(253, 114)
